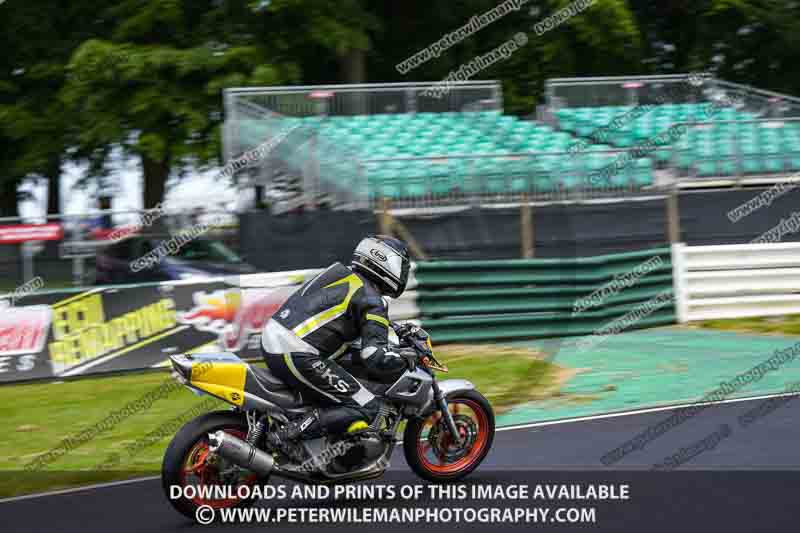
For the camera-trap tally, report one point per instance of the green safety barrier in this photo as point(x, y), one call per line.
point(541, 298)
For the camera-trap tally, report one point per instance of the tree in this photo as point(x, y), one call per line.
point(154, 87)
point(602, 40)
point(38, 41)
point(342, 30)
point(754, 42)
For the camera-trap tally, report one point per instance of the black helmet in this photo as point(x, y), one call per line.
point(385, 261)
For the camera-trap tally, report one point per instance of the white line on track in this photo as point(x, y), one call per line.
point(559, 421)
point(79, 489)
point(642, 411)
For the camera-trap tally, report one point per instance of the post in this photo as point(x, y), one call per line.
point(679, 269)
point(77, 271)
point(673, 217)
point(389, 226)
point(526, 227)
point(413, 245)
point(411, 100)
point(27, 261)
point(384, 218)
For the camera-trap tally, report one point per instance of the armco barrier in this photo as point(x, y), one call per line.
point(540, 298)
point(736, 281)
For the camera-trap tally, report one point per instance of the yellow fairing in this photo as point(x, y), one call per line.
point(224, 380)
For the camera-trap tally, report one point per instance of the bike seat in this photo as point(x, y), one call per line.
point(268, 378)
point(271, 388)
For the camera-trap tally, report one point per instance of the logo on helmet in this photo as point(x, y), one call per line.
point(377, 254)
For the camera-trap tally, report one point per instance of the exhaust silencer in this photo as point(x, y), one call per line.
point(240, 453)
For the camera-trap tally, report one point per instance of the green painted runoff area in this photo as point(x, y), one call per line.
point(656, 367)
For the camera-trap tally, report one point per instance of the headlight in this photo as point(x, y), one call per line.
point(188, 275)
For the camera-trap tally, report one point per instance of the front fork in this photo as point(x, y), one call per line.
point(441, 402)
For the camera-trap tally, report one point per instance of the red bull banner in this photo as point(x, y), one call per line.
point(235, 316)
point(111, 329)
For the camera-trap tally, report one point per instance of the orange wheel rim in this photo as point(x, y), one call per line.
point(196, 464)
point(431, 454)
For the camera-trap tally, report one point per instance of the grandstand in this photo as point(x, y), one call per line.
point(733, 132)
point(359, 151)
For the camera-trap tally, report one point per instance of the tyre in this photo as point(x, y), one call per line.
point(185, 463)
point(431, 452)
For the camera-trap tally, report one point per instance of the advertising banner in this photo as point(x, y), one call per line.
point(30, 232)
point(108, 329)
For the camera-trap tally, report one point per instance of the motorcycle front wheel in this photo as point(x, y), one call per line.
point(432, 453)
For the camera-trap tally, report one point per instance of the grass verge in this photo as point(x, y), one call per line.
point(776, 325)
point(38, 417)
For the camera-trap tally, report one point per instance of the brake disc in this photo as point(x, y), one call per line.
point(443, 445)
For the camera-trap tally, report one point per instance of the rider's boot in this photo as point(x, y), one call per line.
point(321, 422)
point(308, 427)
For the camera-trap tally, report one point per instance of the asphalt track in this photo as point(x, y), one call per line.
point(551, 450)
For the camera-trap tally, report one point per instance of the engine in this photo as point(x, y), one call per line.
point(355, 453)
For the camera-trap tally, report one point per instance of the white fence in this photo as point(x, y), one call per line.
point(736, 281)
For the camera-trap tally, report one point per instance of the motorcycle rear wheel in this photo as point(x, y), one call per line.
point(431, 452)
point(186, 456)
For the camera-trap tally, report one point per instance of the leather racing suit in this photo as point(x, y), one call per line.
point(304, 337)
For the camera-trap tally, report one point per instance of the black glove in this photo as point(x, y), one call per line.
point(409, 355)
point(401, 330)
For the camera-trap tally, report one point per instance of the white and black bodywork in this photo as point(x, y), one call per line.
point(442, 441)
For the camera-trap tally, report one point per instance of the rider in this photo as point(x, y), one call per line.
point(316, 325)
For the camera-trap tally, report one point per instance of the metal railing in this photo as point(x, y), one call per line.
point(499, 179)
point(728, 149)
point(618, 90)
point(269, 110)
point(70, 261)
point(676, 88)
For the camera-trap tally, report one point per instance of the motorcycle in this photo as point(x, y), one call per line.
point(448, 432)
